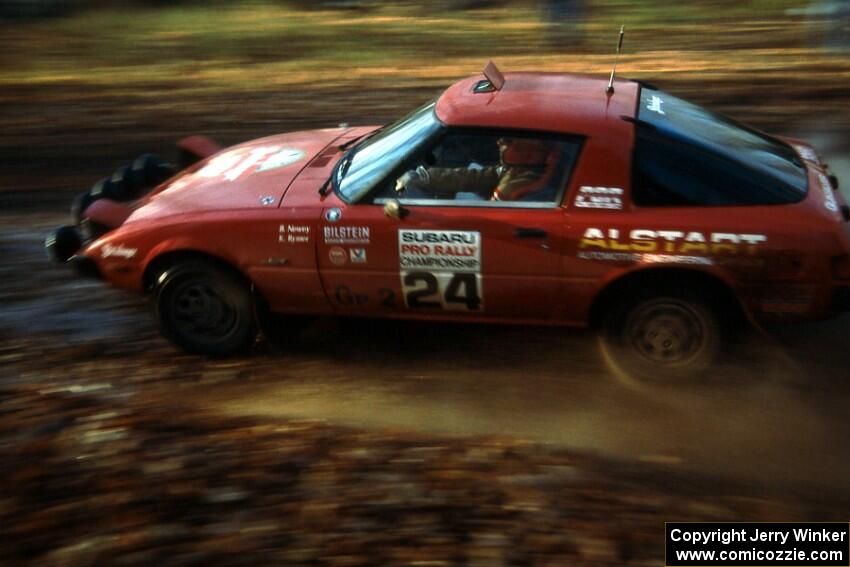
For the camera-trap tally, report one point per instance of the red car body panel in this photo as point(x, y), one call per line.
point(272, 224)
point(232, 179)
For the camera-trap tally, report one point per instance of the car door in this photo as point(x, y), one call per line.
point(443, 261)
point(456, 250)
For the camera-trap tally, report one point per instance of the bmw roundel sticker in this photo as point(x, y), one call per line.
point(281, 158)
point(333, 215)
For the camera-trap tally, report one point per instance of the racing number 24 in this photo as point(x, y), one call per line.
point(442, 290)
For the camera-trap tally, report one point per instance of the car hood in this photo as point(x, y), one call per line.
point(250, 175)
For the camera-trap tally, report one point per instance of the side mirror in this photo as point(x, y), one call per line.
point(394, 210)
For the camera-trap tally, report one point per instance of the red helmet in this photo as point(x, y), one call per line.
point(524, 151)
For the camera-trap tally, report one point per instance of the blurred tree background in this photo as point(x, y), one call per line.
point(88, 84)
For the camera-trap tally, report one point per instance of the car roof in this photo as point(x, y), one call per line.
point(561, 102)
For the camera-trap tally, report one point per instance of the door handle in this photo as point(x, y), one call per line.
point(524, 232)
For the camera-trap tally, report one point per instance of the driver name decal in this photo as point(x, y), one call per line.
point(440, 269)
point(293, 233)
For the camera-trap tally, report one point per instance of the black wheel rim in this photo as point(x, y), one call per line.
point(201, 311)
point(665, 332)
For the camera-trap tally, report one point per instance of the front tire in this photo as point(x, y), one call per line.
point(205, 309)
point(661, 337)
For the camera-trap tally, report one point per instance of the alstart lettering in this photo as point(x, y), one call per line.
point(670, 241)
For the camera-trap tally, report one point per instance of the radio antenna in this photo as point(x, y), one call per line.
point(610, 88)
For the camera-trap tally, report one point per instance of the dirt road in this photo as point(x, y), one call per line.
point(774, 414)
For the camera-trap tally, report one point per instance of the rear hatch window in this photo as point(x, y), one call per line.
point(690, 155)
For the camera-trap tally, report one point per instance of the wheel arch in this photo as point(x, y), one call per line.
point(718, 292)
point(170, 259)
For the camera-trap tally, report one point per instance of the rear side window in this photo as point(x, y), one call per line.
point(671, 172)
point(687, 155)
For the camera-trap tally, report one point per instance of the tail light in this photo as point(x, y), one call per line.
point(841, 267)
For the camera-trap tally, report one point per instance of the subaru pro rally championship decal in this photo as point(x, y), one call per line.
point(440, 269)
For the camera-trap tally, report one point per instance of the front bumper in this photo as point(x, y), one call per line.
point(85, 267)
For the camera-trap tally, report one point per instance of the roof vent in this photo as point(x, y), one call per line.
point(326, 156)
point(483, 86)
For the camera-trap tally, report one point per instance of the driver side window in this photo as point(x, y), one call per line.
point(486, 168)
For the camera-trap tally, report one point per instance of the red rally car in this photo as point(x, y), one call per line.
point(525, 197)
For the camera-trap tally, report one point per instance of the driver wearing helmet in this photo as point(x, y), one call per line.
point(522, 163)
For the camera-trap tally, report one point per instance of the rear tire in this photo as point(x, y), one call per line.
point(205, 309)
point(664, 336)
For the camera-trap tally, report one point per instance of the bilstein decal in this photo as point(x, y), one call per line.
point(677, 242)
point(346, 234)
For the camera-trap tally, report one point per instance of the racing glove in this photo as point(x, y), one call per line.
point(413, 179)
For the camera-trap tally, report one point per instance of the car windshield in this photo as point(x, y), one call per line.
point(693, 124)
point(375, 158)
